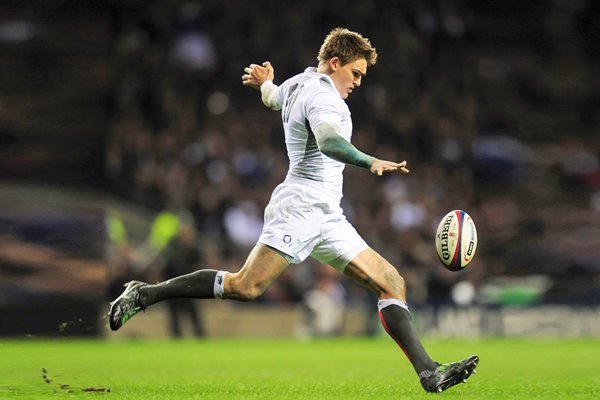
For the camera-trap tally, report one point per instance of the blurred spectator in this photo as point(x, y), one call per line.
point(182, 256)
point(193, 49)
point(324, 305)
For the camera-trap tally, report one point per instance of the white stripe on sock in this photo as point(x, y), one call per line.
point(381, 304)
point(218, 288)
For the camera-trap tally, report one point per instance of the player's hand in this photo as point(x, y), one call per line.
point(255, 75)
point(380, 166)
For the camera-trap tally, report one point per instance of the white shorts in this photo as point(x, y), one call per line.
point(301, 221)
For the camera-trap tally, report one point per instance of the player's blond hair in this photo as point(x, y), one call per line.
point(347, 46)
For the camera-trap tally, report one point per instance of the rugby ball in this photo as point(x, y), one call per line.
point(456, 240)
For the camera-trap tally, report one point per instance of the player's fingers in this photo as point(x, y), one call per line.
point(397, 167)
point(402, 167)
point(248, 70)
point(266, 64)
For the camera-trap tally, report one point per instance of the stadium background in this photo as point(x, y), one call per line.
point(123, 124)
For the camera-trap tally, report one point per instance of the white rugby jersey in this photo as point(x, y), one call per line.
point(308, 100)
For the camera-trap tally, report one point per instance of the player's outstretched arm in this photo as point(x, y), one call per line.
point(335, 146)
point(260, 77)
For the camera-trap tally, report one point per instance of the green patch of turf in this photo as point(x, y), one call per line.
point(290, 369)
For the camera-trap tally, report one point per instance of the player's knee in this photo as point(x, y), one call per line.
point(242, 290)
point(395, 284)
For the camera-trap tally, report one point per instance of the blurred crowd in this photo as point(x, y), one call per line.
point(492, 107)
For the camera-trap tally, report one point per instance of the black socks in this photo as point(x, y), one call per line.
point(398, 324)
point(199, 284)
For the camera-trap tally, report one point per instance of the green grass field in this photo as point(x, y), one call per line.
point(290, 369)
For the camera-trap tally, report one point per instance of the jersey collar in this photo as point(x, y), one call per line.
point(313, 71)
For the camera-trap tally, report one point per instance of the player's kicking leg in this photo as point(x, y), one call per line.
point(262, 267)
point(373, 271)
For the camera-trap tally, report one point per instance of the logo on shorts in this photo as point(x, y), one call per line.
point(287, 239)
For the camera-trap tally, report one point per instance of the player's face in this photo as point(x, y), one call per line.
point(348, 76)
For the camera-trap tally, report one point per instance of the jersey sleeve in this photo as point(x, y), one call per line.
point(323, 106)
point(280, 95)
